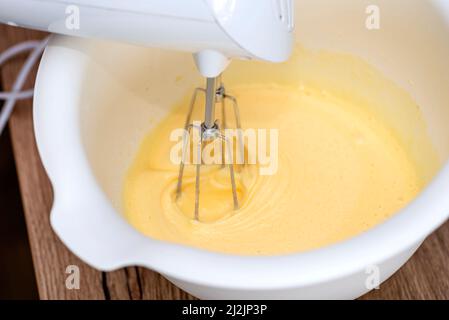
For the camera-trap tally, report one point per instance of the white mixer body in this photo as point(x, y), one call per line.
point(216, 30)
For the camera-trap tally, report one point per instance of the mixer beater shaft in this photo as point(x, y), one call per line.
point(209, 130)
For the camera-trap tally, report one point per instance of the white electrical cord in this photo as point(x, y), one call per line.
point(18, 96)
point(36, 48)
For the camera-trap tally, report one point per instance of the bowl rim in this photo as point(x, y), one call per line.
point(58, 84)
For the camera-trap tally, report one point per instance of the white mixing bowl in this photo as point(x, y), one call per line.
point(95, 101)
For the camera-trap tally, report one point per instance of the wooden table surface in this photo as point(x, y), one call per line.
point(425, 276)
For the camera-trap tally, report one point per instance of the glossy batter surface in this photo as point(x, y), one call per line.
point(341, 170)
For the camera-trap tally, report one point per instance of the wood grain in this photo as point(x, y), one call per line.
point(425, 276)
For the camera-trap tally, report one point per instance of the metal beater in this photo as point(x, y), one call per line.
point(209, 130)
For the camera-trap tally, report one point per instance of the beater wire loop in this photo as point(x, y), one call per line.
point(210, 130)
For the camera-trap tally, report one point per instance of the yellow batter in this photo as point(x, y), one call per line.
point(342, 170)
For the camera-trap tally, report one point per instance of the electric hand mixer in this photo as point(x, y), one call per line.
point(215, 31)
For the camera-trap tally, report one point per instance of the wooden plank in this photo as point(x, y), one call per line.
point(424, 277)
point(164, 288)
